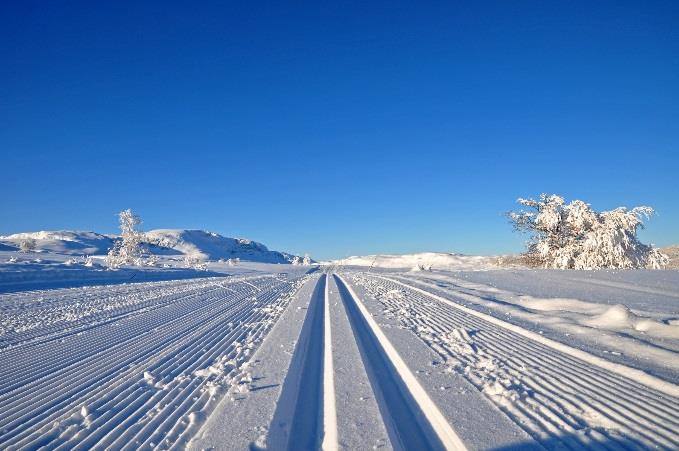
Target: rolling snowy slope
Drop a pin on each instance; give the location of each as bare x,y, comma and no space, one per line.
428,260
193,243
212,246
65,242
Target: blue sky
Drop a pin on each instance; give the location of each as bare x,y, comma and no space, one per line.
336,128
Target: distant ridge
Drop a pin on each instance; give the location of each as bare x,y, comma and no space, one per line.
422,260
194,243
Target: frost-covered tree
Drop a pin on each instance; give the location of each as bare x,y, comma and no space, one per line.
296,260
27,245
573,236
196,262
306,261
127,250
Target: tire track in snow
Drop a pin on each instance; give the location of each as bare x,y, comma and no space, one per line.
411,417
557,397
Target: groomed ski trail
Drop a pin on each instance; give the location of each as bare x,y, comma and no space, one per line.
141,373
361,361
311,414
561,397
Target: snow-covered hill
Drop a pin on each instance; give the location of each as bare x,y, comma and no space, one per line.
212,246
62,242
433,260
194,243
673,253
458,262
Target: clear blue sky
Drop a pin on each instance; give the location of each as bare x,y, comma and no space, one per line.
336,128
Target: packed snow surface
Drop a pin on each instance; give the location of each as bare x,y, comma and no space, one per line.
270,356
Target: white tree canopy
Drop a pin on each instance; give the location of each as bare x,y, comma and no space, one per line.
128,249
573,236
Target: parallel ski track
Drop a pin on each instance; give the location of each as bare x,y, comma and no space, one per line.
411,417
44,315
558,399
44,385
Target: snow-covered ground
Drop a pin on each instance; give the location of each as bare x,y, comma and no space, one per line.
367,356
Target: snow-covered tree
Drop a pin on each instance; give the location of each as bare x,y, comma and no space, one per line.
306,261
27,245
573,236
296,260
127,250
196,262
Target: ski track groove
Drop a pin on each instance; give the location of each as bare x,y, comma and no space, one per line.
553,396
181,333
119,345
330,438
413,419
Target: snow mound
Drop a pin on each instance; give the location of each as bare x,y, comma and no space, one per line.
616,317
423,261
205,245
62,242
619,317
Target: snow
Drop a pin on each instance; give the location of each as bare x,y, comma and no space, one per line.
560,395
444,433
167,242
147,361
601,313
672,253
330,440
72,258
212,246
420,261
62,242
367,355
